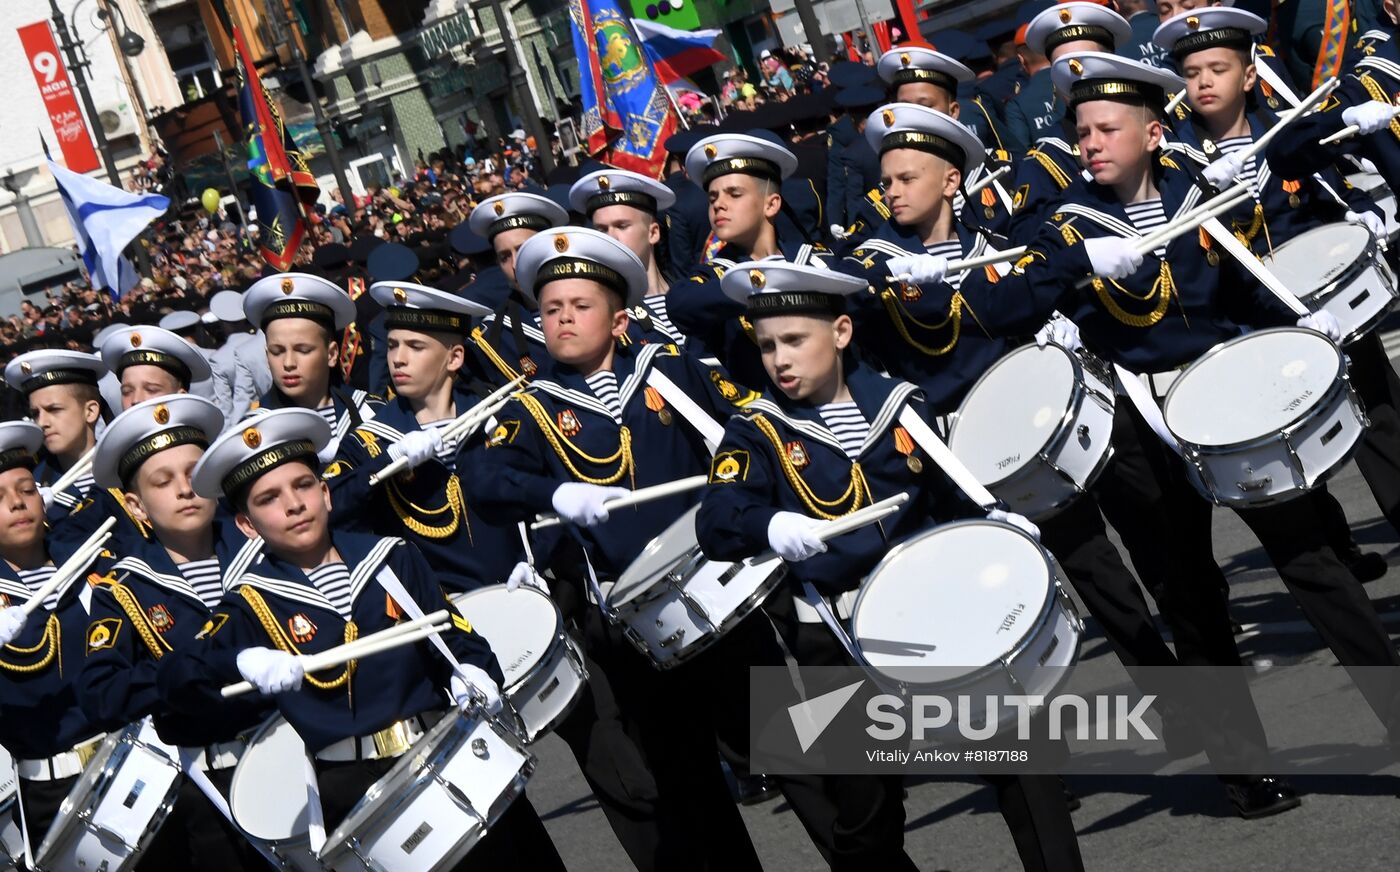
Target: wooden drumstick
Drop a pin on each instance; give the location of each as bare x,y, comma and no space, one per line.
75,472
636,497
871,514
71,567
977,186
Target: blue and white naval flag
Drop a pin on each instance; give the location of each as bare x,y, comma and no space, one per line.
105,219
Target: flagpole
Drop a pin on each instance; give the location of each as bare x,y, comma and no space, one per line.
233,187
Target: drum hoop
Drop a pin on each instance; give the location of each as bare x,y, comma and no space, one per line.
1046,607
559,630
748,606
1340,381
1076,398
642,587
1369,253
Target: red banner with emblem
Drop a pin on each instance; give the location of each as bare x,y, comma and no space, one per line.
60,101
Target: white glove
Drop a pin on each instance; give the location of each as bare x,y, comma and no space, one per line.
270,670
1223,171
1060,331
1020,522
472,684
922,269
1112,257
1323,322
1369,117
582,504
11,624
1371,221
794,536
419,446
46,493
837,231
524,573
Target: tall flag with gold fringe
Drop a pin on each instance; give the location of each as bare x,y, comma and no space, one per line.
627,114
281,183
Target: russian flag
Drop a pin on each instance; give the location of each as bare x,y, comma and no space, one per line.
677,53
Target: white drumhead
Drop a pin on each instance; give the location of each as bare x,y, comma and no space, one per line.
673,545
520,625
268,796
953,599
1251,387
7,777
1012,411
1313,260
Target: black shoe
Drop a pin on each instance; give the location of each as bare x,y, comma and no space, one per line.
1072,801
1366,565
1261,797
754,789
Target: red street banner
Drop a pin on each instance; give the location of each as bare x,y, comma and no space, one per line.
59,99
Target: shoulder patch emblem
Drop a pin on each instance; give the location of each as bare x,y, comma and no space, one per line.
1022,193
213,625
729,466
103,634
504,434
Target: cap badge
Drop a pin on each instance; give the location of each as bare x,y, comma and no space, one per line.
904,59
561,243
711,152
1076,67
1066,16
1193,22
136,340
288,286
604,183
499,207
756,278
26,368
161,414
888,117
400,295
252,438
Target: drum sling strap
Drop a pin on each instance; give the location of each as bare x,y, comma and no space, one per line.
709,429
1138,394
928,440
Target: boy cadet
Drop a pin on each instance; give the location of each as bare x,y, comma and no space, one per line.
589,427
919,75
741,175
627,206
156,598
1054,161
47,733
302,318
1212,48
61,387
312,589
186,324
151,362
820,446
427,333
1151,318
508,343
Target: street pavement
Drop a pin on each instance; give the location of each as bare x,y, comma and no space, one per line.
1140,823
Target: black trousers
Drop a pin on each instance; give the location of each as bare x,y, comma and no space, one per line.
1378,456
651,762
516,842
1166,526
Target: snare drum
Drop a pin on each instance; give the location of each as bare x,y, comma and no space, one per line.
674,602
1036,428
971,608
268,796
543,668
124,794
1265,417
440,798
11,839
1338,268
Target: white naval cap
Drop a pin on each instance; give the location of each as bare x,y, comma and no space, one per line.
409,306
182,319
227,306
1096,75
580,253
149,427
19,445
101,335
909,125
135,346
54,366
1208,27
513,211
908,64
778,287
612,187
1076,20
726,153
298,295
257,444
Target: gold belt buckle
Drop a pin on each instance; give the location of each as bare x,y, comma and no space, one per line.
393,740
87,750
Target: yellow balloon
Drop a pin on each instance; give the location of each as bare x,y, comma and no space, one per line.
210,199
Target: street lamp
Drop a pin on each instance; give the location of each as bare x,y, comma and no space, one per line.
128,40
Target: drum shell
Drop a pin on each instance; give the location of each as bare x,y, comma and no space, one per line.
1373,185
1283,465
437,801
1073,456
1360,297
11,839
294,851
546,692
1037,664
99,825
